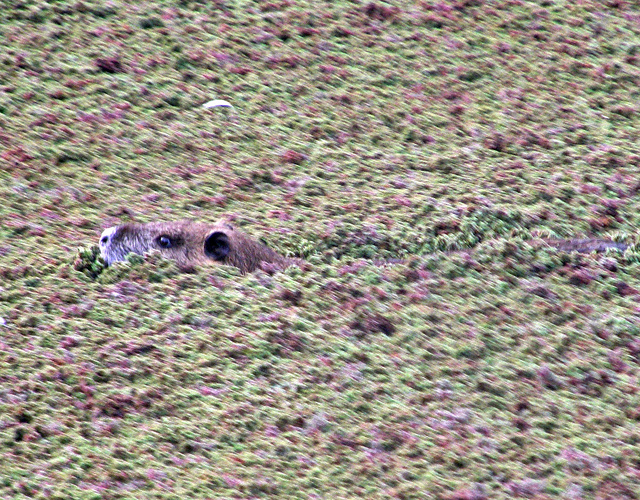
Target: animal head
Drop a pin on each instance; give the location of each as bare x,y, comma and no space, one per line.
190,244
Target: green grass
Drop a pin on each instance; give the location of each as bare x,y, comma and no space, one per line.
449,134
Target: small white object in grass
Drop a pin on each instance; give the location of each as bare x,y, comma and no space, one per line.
3,321
217,103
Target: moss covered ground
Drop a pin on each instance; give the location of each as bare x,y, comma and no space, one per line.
450,134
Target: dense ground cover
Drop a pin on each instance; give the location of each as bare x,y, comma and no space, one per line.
450,134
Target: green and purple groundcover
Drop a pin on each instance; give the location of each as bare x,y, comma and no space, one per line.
414,153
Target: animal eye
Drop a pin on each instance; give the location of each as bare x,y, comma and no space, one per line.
165,242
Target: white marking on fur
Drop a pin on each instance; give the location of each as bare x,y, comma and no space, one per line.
108,233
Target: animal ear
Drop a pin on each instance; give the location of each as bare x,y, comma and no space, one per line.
216,246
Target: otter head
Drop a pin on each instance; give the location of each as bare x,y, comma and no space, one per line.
190,244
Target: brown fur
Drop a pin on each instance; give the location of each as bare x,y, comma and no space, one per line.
191,245
586,245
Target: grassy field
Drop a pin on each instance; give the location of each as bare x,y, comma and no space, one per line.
450,134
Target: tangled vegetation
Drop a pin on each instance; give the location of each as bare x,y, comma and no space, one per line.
415,154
